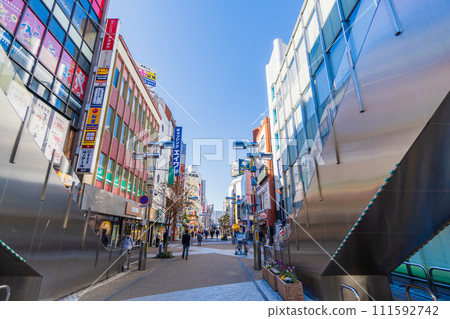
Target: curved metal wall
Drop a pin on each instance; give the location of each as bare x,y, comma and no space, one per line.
34,228
403,80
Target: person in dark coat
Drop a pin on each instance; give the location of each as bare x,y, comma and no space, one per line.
186,240
206,234
217,233
105,240
199,239
157,240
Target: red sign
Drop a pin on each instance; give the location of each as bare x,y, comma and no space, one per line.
110,34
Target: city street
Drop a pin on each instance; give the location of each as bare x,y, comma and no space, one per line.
212,273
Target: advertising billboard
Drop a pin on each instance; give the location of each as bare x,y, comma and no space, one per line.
244,165
176,162
148,75
239,167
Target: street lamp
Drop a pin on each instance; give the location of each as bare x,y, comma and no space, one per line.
143,157
232,216
256,246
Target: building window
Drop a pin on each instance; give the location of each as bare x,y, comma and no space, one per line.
67,6
122,89
123,135
123,184
108,126
275,116
277,141
272,90
117,127
129,97
109,171
117,175
116,78
101,167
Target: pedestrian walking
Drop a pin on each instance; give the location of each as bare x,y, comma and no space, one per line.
217,233
199,239
128,242
186,243
206,234
157,241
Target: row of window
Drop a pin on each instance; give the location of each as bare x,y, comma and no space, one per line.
117,175
300,104
56,47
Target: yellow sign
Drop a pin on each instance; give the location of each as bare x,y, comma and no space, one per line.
102,71
93,116
89,138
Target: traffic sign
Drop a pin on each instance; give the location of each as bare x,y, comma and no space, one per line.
143,205
143,199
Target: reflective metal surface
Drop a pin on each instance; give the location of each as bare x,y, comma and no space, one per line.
34,228
403,80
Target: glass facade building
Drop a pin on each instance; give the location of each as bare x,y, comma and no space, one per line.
342,64
52,45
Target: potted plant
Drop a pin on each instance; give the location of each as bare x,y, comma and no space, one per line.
289,288
272,271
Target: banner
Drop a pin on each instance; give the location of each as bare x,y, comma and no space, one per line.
50,52
10,12
177,150
30,31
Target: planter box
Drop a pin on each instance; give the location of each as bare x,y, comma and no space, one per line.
272,280
265,273
290,292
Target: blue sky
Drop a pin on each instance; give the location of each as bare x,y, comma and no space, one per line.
210,56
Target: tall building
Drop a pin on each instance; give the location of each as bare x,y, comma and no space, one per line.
351,97
126,119
193,189
53,46
267,199
162,167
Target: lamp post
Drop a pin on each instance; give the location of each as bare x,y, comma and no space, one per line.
241,145
257,247
232,216
150,180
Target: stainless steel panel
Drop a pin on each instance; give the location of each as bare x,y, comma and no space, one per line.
34,229
403,80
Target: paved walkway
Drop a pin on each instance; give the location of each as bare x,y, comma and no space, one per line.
212,273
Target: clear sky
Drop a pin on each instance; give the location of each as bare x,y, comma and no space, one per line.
210,56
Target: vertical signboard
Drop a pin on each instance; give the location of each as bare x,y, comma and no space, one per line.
176,162
183,157
93,126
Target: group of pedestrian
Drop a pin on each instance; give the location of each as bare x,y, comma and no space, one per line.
210,233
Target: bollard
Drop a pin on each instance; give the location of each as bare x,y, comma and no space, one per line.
143,256
160,246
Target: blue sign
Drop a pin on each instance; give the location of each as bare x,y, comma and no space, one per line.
143,199
176,162
149,82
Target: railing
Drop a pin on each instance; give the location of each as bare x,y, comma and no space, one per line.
344,286
8,291
433,284
408,265
408,287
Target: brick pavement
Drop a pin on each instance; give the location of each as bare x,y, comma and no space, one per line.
177,275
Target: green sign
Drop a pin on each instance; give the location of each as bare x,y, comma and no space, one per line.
100,173
109,178
171,176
